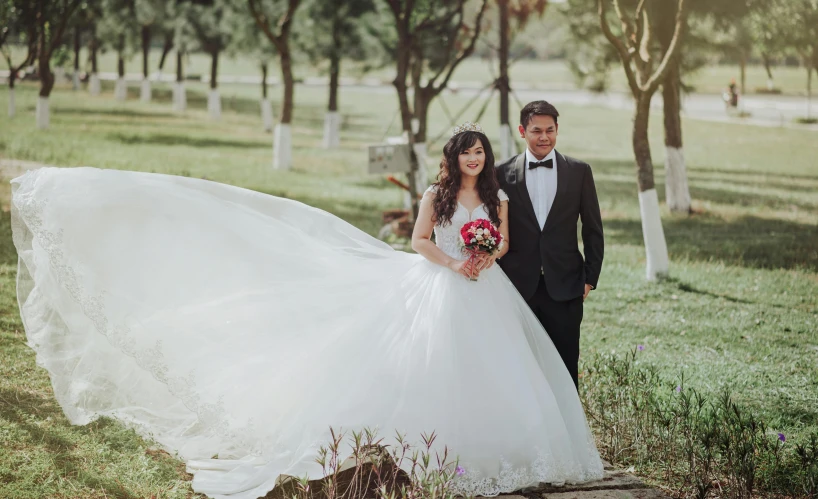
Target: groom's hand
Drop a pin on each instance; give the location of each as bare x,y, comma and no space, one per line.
588,289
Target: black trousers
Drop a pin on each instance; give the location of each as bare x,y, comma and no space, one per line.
561,320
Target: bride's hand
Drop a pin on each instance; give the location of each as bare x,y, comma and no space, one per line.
464,268
484,261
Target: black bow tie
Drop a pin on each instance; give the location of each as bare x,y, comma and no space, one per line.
548,163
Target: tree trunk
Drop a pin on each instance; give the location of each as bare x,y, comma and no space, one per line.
214,101
289,85
75,78
266,105
264,80
406,121
179,75
282,135
179,93
146,49
506,144
652,232
94,85
12,103
166,48
145,89
332,120
677,192
46,81
768,68
121,89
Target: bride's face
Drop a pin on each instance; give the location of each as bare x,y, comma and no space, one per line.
472,160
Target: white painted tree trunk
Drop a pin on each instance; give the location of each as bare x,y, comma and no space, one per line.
120,89
422,177
145,90
282,147
214,104
332,130
267,114
658,264
677,191
770,84
75,80
179,96
506,144
94,85
12,104
43,115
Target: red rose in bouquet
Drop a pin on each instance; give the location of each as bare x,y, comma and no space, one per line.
480,236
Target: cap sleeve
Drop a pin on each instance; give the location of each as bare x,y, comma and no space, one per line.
503,196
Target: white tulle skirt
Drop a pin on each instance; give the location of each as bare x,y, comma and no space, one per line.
235,328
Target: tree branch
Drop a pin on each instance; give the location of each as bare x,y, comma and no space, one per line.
681,17
261,21
469,49
620,47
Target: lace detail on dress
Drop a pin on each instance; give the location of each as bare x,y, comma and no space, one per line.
27,225
448,238
544,469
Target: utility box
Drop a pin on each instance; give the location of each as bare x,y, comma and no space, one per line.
389,158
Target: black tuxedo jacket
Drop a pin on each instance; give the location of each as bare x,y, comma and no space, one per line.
553,248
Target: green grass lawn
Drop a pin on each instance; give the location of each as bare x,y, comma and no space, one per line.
740,309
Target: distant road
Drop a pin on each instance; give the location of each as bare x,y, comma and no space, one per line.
764,110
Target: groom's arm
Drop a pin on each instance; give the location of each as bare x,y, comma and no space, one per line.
592,237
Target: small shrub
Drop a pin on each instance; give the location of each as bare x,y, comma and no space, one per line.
696,445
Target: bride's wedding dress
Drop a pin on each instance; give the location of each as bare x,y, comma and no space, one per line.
235,328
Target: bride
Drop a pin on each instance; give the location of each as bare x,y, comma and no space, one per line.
235,328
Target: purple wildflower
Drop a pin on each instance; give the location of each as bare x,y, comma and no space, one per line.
782,437
640,347
459,470
678,388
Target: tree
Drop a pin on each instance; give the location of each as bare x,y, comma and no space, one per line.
432,37
644,76
213,36
249,41
332,31
20,25
282,12
799,27
117,29
52,17
149,16
521,11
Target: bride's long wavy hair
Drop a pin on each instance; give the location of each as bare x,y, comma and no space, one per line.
449,178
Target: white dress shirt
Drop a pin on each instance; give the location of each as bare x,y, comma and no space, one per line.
542,185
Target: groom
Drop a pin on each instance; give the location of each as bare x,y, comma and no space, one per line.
548,194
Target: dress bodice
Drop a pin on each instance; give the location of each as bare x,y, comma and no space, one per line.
448,238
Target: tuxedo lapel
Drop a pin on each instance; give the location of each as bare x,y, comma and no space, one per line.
562,186
522,189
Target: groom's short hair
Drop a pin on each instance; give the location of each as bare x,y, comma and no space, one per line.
537,108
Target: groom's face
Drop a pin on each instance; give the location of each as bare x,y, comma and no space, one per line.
540,135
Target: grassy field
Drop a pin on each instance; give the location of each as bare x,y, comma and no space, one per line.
740,309
551,75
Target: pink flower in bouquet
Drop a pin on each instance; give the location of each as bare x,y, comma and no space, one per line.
481,235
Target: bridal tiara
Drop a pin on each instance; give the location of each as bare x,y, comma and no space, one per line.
467,127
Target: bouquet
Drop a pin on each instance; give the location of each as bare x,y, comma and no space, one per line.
480,236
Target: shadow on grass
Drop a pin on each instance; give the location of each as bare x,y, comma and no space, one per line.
724,196
116,112
747,241
184,140
24,409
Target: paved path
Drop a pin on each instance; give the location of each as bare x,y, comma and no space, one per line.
617,484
